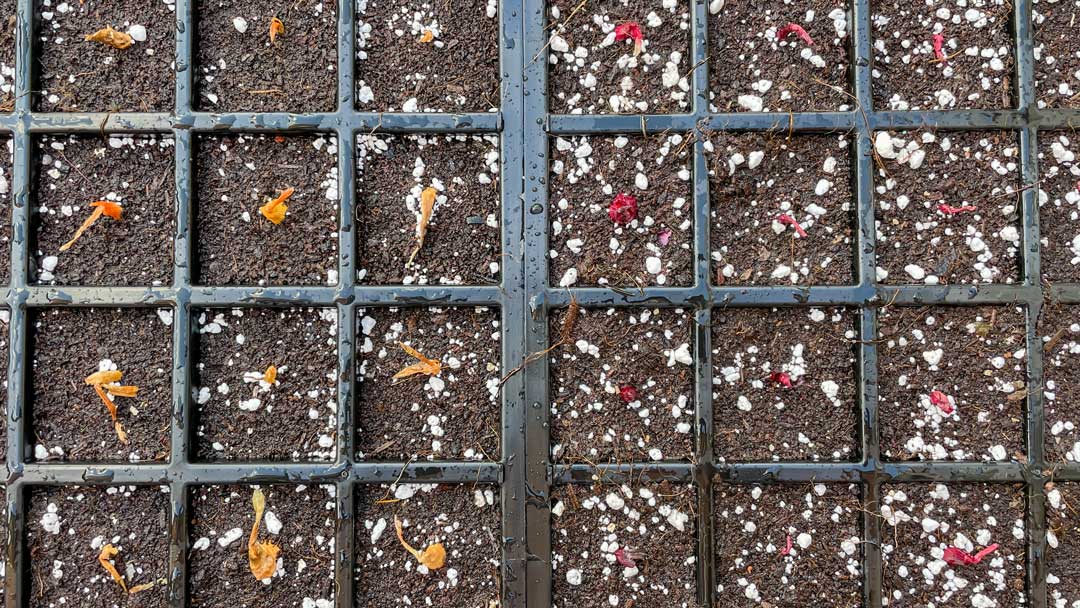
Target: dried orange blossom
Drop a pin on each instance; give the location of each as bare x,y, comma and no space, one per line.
271,375
106,385
276,27
262,557
434,556
101,208
110,37
431,367
274,209
427,36
108,552
427,205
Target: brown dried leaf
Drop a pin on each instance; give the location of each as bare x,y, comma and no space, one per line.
262,557
276,27
108,552
110,37
430,367
427,205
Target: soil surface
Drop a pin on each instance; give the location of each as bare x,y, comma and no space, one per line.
921,520
764,189
456,70
756,354
751,69
947,208
237,245
70,422
973,71
788,546
1059,206
650,526
66,530
1057,57
136,172
76,75
464,518
462,243
6,159
974,358
7,56
622,389
651,241
450,416
1063,548
1059,328
592,72
241,70
300,520
242,416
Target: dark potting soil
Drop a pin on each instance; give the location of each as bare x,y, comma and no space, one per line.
237,245
652,244
450,416
974,71
752,69
462,244
975,359
764,189
242,416
622,389
593,73
399,69
919,521
136,172
240,70
756,354
651,527
1059,206
947,207
464,518
788,546
1059,329
1057,57
7,55
76,75
6,158
67,527
69,421
299,519
1063,543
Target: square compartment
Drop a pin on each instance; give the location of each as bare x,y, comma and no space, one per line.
236,244
463,241
1059,331
454,415
74,75
784,384
457,70
650,526
952,383
241,416
974,71
920,521
465,519
7,157
788,545
590,72
1062,548
947,207
1057,57
621,211
766,191
1059,206
66,528
752,69
238,68
7,58
623,389
69,422
136,171
300,519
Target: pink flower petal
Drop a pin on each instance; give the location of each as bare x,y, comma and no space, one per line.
941,400
797,29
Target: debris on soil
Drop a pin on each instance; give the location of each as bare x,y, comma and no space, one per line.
424,365
106,387
794,28
427,206
262,557
107,553
433,556
110,37
276,28
108,208
275,208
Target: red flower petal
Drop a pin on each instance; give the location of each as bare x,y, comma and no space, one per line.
939,42
624,557
787,546
665,237
941,400
781,378
784,218
958,557
632,30
628,393
797,29
950,210
623,209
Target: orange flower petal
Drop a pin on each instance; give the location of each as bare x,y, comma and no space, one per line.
434,556
274,210
271,374
431,367
427,205
83,228
110,208
110,37
104,377
262,557
276,27
108,552
427,36
122,391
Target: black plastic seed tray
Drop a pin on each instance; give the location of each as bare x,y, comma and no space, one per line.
526,299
